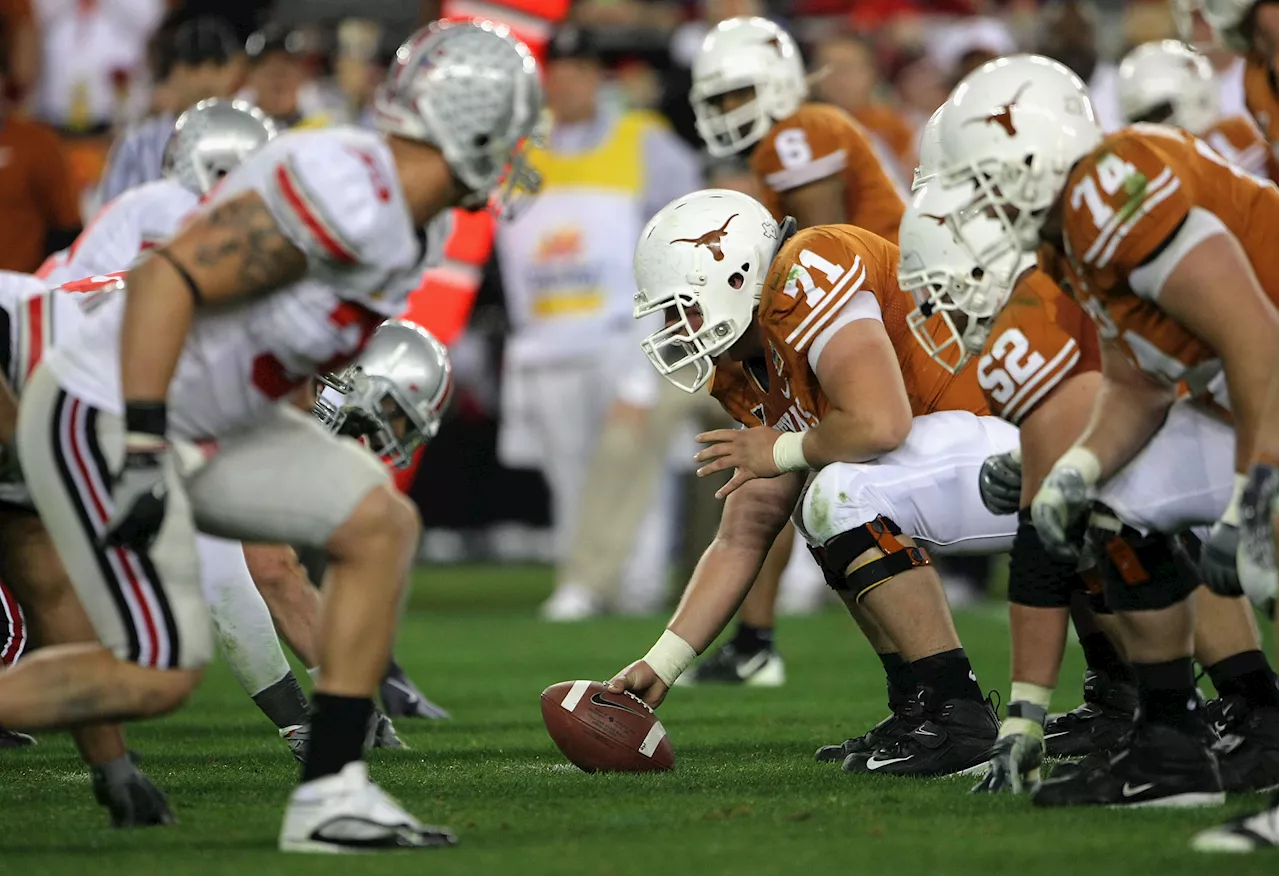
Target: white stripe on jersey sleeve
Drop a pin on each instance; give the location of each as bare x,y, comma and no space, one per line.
1048,376
864,305
811,171
829,307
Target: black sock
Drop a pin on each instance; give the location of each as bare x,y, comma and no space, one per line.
283,701
338,727
749,639
897,672
1247,675
1167,694
1102,657
948,676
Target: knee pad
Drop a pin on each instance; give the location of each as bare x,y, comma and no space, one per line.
880,534
1140,572
1037,578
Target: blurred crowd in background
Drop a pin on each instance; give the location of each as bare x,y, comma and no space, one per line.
91,88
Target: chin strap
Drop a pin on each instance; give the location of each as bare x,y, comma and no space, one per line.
785,232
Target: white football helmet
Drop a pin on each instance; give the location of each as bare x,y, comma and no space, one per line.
702,262
944,275
393,395
930,154
472,90
1014,127
744,53
211,139
1168,83
1229,20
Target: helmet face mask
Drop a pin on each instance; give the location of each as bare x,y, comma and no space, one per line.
747,75
472,91
701,262
211,139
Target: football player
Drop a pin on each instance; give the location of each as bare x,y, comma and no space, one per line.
813,162
871,444
1250,29
1040,368
1149,229
1168,83
164,412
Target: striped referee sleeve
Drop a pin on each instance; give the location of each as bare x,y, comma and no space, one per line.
136,158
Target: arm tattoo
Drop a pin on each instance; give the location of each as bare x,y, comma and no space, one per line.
239,242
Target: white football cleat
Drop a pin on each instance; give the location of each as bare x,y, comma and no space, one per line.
570,603
296,736
345,813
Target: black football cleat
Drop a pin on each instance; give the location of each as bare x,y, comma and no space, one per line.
14,739
762,667
401,698
1247,833
135,802
904,714
1155,765
953,738
1096,724
1246,744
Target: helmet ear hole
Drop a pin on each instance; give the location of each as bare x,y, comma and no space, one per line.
746,268
736,280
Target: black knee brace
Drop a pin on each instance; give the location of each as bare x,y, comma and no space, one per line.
1036,577
1140,572
848,546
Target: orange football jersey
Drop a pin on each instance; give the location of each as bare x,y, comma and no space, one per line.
821,141
1237,139
1122,203
1040,339
824,278
1260,97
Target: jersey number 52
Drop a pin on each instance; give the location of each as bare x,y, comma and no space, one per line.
1009,365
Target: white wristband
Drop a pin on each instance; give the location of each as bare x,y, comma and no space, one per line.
1231,516
669,657
788,452
1083,460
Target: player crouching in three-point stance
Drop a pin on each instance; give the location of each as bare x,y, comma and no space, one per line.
811,347
1171,252
162,415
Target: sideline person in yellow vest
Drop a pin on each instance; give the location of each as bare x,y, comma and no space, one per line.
565,262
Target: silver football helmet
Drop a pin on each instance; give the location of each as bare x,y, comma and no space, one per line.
472,90
1169,83
211,139
393,395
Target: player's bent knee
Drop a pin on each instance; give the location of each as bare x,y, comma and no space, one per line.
1140,572
868,556
384,519
166,690
1037,578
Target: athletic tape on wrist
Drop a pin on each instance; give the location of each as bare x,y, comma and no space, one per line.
1231,516
788,452
1083,460
669,657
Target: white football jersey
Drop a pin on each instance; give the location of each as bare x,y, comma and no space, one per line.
335,193
138,220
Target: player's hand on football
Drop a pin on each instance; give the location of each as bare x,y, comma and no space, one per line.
1218,559
1000,482
641,680
1256,558
139,495
748,451
1015,760
1058,511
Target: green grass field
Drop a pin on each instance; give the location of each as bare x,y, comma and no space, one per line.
746,796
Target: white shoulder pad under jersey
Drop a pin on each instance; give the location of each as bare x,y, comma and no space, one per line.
335,193
140,219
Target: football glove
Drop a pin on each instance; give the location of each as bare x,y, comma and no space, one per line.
1058,509
1256,560
139,494
1218,559
1015,758
1000,482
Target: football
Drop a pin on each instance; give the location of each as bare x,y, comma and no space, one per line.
599,731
